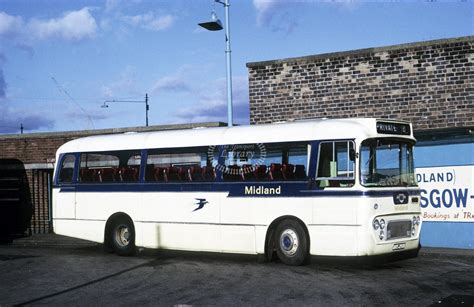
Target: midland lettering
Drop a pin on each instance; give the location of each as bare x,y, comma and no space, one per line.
261,190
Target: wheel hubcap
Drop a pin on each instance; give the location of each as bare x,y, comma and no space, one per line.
289,242
122,235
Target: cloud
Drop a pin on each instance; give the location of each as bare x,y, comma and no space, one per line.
118,5
265,10
3,84
275,15
11,120
10,25
172,84
71,26
176,82
212,103
125,84
111,5
26,48
150,21
84,117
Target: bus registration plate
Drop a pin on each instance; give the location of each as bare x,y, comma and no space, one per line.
398,246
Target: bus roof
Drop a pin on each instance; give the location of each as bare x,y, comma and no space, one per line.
305,130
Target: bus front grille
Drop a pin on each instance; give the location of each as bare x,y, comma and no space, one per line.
398,229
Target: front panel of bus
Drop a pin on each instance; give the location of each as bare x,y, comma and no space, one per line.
391,208
366,201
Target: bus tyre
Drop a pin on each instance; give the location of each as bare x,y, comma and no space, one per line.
122,237
291,242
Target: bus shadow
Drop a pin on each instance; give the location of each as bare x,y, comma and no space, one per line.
205,257
314,262
366,263
15,200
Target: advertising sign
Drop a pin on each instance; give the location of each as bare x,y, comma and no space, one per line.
447,193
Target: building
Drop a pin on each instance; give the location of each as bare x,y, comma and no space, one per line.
428,83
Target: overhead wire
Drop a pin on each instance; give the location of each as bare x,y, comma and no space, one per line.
61,89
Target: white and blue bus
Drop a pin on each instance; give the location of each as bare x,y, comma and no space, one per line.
333,187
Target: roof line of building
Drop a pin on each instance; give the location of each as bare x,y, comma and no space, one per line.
364,51
80,133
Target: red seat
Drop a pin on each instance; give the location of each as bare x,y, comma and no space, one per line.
184,173
150,172
159,174
86,175
129,174
172,174
248,172
261,172
300,172
233,173
109,174
196,173
288,171
96,177
208,173
275,172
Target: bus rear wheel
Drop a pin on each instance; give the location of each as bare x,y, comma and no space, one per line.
122,237
291,242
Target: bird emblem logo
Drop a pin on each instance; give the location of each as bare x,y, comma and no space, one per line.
200,202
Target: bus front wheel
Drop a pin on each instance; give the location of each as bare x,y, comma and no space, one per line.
291,242
122,236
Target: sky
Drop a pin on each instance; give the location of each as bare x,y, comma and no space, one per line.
60,60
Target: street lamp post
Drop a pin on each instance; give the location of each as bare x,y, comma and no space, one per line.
147,106
216,25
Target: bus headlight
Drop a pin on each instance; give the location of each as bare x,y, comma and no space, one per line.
381,235
376,224
382,224
413,231
418,220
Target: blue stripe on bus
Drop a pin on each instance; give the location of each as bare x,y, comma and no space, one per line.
235,189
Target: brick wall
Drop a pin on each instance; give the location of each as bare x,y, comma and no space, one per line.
428,83
40,148
31,148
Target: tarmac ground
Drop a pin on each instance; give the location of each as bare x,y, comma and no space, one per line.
56,270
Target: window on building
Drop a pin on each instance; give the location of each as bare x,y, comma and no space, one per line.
336,164
67,169
109,167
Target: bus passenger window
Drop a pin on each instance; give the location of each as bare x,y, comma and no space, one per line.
67,169
110,167
265,162
179,165
297,162
336,164
249,162
130,171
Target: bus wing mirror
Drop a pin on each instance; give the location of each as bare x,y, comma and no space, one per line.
352,154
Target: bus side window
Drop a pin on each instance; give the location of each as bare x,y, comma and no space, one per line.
67,169
265,162
110,167
129,171
298,159
336,164
179,165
